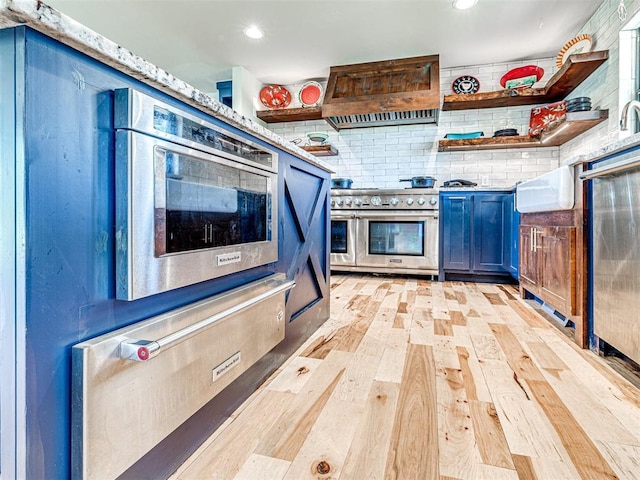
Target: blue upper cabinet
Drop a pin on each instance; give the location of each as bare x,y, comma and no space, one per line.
475,235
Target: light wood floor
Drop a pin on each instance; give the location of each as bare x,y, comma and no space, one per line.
424,380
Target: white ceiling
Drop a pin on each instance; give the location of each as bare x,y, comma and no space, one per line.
199,41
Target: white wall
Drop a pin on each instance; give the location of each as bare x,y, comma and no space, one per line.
380,156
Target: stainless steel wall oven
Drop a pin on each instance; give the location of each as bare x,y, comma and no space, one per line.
194,201
385,231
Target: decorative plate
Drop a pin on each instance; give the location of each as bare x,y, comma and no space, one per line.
465,84
310,94
522,77
580,44
275,96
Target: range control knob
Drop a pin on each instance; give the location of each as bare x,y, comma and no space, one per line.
376,201
339,202
357,202
394,201
347,201
333,202
421,201
409,201
433,201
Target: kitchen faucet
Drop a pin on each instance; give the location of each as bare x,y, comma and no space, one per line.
625,111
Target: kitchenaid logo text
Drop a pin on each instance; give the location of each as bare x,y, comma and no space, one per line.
228,258
225,366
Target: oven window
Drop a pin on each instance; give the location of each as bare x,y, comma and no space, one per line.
339,238
396,238
204,204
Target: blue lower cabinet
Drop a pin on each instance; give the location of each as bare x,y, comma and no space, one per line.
514,238
456,235
475,233
59,234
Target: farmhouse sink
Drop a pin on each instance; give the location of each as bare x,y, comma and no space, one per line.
548,192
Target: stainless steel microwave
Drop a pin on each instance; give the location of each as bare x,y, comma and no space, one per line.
193,201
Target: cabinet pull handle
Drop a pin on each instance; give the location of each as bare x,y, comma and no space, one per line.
533,239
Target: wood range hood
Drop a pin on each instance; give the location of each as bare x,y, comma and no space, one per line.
391,92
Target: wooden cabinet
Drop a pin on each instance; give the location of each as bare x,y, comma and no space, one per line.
553,259
475,235
548,265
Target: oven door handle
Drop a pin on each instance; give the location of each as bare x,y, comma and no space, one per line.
343,216
143,350
386,214
617,167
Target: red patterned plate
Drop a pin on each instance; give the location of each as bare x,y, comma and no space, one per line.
275,96
546,117
522,72
310,94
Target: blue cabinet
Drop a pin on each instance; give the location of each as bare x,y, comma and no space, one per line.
455,237
475,231
58,242
514,237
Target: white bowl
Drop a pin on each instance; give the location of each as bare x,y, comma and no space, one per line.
319,137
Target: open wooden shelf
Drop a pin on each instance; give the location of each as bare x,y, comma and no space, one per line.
574,71
321,150
574,124
290,114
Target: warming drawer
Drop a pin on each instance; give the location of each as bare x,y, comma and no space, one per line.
134,386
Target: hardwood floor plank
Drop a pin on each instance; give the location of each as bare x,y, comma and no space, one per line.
442,327
584,454
527,430
413,450
458,453
457,318
528,314
391,367
284,438
223,458
324,449
524,467
590,413
293,377
356,381
494,298
472,376
368,452
421,331
519,360
489,436
624,459
259,466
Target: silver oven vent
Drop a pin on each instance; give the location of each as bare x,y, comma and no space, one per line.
412,117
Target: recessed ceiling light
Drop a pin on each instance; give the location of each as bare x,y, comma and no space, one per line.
464,4
253,31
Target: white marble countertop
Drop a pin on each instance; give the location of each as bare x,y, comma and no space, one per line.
620,145
55,24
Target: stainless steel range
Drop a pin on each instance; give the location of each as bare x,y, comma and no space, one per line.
385,231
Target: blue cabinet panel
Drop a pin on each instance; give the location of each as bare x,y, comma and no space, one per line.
456,237
69,201
475,229
491,226
514,237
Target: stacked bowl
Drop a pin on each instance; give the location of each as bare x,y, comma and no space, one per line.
579,104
